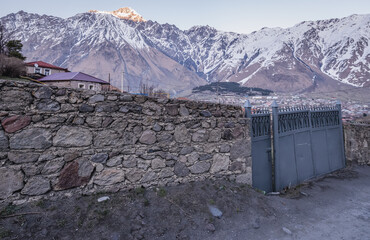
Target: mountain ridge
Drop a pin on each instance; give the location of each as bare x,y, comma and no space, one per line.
310,56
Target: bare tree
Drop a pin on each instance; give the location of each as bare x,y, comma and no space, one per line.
3,39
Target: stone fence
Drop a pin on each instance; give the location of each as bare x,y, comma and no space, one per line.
58,141
356,137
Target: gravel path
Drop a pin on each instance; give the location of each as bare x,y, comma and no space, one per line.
334,207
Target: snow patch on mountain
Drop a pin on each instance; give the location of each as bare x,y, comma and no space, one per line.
123,13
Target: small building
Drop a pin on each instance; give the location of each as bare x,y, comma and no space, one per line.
43,69
76,80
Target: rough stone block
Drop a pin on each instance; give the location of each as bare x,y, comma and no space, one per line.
200,136
15,123
106,138
53,166
72,137
109,177
184,112
99,158
172,109
158,163
181,134
15,100
240,150
84,108
135,175
34,138
106,107
148,137
75,174
181,170
220,163
200,167
96,98
48,105
43,93
244,178
214,135
4,142
115,161
19,158
36,186
10,182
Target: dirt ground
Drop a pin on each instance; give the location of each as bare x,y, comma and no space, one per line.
334,207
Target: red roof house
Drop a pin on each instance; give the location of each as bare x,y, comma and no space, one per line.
43,69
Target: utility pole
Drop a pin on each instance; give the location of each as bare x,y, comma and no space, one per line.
123,74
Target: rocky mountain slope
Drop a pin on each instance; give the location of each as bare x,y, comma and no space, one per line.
311,56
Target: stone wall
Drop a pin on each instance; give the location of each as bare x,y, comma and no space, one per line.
357,136
57,141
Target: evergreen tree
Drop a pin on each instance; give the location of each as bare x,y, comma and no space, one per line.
14,49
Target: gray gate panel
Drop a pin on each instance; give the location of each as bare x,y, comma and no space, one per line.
334,149
286,174
261,163
305,169
320,152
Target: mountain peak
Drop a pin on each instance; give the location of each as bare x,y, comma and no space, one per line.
123,13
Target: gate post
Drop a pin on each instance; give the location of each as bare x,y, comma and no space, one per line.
339,107
248,109
275,152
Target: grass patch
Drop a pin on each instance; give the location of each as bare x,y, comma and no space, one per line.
61,222
8,210
41,204
140,190
4,233
212,202
162,192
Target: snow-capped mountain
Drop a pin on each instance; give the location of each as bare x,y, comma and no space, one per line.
310,56
123,13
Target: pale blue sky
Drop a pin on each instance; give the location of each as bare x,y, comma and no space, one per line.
243,16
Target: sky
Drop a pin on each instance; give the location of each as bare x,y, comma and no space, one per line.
241,16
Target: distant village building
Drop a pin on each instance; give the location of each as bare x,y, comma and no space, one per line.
40,69
76,80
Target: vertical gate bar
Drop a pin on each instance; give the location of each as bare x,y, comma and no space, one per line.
339,107
311,147
248,109
275,151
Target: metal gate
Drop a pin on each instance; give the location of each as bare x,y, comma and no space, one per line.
261,147
307,142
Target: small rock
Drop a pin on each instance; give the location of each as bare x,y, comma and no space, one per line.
273,193
210,227
256,224
287,231
304,194
102,199
215,211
